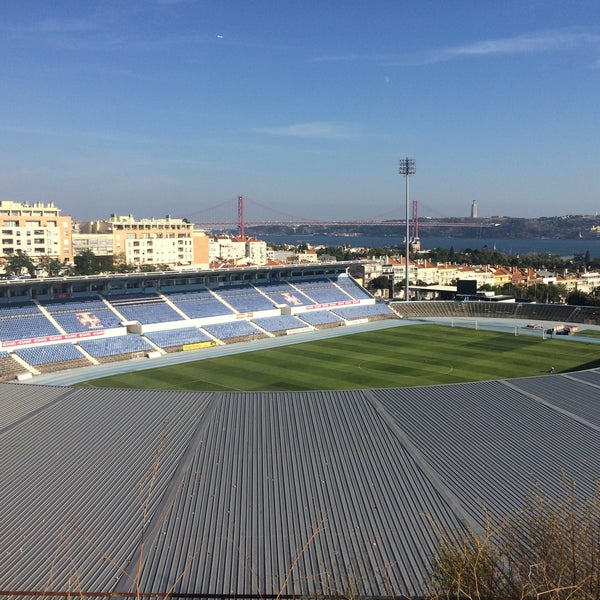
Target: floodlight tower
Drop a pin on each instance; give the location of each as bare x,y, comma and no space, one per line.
407,168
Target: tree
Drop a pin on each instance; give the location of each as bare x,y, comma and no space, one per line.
51,266
380,283
579,298
120,264
86,263
18,262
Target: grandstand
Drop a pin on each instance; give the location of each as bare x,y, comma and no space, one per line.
24,320
54,357
174,340
323,292
199,304
513,310
89,317
234,331
246,299
123,347
281,325
321,319
283,293
365,311
81,314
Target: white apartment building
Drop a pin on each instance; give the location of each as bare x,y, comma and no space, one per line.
168,241
588,282
35,229
238,250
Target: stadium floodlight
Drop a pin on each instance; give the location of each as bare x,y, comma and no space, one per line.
407,168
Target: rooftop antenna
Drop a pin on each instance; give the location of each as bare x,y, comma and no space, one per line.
407,168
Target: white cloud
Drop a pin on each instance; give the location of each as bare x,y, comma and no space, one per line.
313,130
528,43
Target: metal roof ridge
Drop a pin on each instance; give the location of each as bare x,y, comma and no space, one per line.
558,409
68,391
428,471
148,536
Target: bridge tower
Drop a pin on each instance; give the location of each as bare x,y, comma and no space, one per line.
241,221
415,242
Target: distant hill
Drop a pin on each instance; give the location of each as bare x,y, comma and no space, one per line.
565,227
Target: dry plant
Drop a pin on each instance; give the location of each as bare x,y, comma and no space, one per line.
548,550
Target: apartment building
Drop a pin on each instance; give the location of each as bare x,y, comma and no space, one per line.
238,250
36,229
168,241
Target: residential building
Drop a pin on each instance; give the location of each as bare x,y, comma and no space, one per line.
588,282
36,229
426,272
238,250
101,244
168,241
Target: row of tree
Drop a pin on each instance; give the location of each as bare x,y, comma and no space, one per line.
86,263
537,292
478,256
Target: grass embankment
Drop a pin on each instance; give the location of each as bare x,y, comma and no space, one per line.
400,356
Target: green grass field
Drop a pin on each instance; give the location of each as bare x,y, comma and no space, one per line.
395,357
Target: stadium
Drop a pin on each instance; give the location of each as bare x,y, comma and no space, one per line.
136,493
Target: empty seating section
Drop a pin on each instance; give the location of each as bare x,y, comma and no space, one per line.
178,337
283,293
372,311
39,355
118,346
237,330
76,315
547,312
245,299
54,357
9,367
24,321
317,318
145,308
323,291
351,287
280,323
198,304
513,310
586,314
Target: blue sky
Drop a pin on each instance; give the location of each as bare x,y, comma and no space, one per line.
305,107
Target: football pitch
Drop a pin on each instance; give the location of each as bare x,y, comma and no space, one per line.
396,357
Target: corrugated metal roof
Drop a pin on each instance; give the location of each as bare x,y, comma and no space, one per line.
271,469
489,442
17,402
73,483
344,491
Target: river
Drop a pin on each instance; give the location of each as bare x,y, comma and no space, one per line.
564,248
